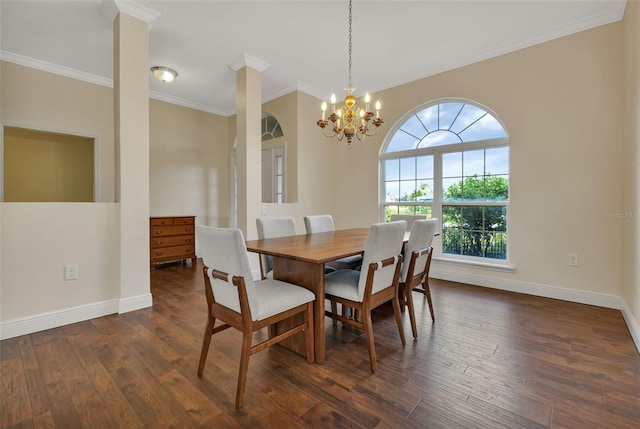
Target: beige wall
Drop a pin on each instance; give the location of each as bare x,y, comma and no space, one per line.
631,178
561,104
35,99
189,160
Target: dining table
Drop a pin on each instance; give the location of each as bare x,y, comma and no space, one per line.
301,259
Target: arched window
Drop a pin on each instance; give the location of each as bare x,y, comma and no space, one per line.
450,160
273,160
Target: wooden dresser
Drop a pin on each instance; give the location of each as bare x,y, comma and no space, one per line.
172,239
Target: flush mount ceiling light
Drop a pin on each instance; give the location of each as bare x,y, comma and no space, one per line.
164,74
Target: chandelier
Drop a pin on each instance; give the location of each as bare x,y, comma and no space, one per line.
350,120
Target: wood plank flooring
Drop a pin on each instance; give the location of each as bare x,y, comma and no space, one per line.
492,359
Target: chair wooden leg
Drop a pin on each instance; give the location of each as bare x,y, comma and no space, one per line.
206,341
334,310
368,332
396,312
309,333
412,314
427,293
244,368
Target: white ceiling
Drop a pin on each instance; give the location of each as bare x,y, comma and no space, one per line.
304,42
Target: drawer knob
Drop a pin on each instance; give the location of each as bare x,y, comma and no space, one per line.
188,240
158,231
158,253
158,243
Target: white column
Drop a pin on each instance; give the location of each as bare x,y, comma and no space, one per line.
249,148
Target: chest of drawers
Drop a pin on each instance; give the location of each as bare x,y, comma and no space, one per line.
172,239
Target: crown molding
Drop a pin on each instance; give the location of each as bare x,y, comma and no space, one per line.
110,8
249,61
55,69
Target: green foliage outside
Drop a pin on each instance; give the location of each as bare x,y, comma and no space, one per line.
476,230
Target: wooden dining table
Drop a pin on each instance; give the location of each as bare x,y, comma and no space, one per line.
301,259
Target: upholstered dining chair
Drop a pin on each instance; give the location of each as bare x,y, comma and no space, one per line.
234,299
409,218
374,285
324,223
415,267
273,227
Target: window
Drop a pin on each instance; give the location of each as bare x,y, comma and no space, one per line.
273,160
450,160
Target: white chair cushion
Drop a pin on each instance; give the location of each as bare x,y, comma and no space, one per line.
275,296
343,283
421,236
348,263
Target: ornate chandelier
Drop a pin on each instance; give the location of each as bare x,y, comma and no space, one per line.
350,120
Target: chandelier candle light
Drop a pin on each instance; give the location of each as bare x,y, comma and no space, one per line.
350,120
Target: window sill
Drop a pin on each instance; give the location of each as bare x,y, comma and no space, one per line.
504,266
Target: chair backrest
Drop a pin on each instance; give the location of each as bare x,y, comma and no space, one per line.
385,241
224,249
273,227
422,233
409,218
318,223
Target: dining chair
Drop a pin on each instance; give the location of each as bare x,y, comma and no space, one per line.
409,218
324,223
234,299
415,267
374,285
273,227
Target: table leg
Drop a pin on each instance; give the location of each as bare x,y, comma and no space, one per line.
310,276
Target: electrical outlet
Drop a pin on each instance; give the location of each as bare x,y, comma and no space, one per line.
71,272
573,260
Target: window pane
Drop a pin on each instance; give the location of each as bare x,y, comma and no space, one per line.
473,189
424,165
472,218
414,127
392,191
439,138
448,113
496,245
472,244
496,218
452,189
407,190
452,164
486,128
497,160
473,163
408,168
425,191
424,210
466,118
392,169
497,188
429,117
451,217
402,141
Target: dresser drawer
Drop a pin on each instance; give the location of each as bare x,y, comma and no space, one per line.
162,231
176,252
183,220
176,240
161,221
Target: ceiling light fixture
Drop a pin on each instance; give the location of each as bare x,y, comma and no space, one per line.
350,120
164,74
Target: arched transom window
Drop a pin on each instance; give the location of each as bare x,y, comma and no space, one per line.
450,160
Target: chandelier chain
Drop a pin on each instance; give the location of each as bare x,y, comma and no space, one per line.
350,47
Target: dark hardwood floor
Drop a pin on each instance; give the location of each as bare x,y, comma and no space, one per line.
492,360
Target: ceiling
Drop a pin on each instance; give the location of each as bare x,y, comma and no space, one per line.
303,42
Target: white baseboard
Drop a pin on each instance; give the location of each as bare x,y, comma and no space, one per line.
572,295
135,303
54,319
634,329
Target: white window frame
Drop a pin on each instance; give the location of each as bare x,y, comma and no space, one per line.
436,205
